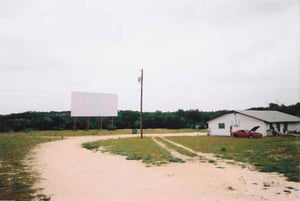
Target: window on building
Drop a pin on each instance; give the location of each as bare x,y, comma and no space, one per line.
221,126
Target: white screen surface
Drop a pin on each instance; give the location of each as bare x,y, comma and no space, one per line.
85,104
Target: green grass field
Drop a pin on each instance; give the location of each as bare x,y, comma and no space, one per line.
274,154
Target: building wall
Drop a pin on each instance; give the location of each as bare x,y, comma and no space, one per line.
246,123
237,122
213,125
294,127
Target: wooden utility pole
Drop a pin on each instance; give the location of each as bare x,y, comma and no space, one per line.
141,113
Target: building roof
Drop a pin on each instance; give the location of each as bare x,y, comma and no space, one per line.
270,116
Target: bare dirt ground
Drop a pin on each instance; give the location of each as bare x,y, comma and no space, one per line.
71,173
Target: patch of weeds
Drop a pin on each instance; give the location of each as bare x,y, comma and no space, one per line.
91,145
46,199
20,186
293,177
291,148
230,162
258,166
243,166
230,188
176,160
211,161
147,159
159,163
267,185
43,197
133,156
223,148
201,157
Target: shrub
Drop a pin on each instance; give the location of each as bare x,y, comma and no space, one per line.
223,148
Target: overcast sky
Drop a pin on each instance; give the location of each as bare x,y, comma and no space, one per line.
196,54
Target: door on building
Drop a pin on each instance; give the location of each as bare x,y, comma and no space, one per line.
285,128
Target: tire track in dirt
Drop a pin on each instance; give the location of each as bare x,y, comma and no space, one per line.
173,152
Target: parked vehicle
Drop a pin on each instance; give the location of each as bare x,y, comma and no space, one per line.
247,133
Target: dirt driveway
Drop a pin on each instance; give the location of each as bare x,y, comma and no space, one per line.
71,173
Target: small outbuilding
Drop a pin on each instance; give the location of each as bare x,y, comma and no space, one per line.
269,122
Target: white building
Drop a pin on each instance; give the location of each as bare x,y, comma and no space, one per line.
247,119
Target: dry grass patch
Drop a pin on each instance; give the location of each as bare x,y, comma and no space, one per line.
16,177
69,133
135,149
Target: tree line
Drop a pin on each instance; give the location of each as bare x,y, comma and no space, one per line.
28,121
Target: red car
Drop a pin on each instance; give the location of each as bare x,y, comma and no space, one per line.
249,134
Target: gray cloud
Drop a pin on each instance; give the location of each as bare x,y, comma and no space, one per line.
208,55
